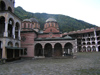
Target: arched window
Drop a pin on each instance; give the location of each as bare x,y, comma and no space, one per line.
68,48
16,30
2,25
10,27
50,30
28,25
2,6
16,45
9,8
38,50
48,50
84,49
24,25
49,24
10,44
88,48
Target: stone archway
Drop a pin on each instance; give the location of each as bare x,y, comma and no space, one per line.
94,49
38,50
99,48
88,48
48,50
58,49
10,51
68,48
84,49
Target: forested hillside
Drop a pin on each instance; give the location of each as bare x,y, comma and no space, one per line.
66,23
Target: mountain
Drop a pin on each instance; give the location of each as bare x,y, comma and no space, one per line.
66,23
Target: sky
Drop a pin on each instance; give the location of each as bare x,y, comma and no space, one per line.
86,10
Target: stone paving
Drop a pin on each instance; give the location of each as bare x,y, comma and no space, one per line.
84,64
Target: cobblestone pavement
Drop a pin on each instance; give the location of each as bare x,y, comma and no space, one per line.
84,64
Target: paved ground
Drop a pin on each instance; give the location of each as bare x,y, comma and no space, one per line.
84,64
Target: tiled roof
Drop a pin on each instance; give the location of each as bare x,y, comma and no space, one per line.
83,31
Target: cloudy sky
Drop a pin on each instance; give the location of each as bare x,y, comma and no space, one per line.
86,10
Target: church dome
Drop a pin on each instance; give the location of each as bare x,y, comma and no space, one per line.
27,20
33,20
51,20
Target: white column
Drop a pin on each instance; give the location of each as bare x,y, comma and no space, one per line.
86,49
14,31
95,40
91,49
6,29
19,31
63,52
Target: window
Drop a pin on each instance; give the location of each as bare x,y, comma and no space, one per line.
24,25
50,30
23,38
24,51
49,24
28,25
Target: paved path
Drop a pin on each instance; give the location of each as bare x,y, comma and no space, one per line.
84,64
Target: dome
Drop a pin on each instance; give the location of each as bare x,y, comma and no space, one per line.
33,20
51,20
27,20
68,37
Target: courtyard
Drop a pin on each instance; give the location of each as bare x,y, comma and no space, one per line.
84,64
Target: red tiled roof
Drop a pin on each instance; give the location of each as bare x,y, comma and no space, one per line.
82,31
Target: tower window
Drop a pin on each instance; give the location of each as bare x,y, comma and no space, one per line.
28,25
49,24
24,25
50,30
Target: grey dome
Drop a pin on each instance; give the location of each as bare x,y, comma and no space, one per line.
68,37
31,20
27,20
51,20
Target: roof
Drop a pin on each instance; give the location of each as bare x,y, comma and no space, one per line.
51,20
81,31
53,39
68,37
17,48
31,20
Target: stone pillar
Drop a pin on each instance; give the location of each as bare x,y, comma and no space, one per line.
74,52
95,40
14,31
4,51
86,49
63,52
6,30
52,52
